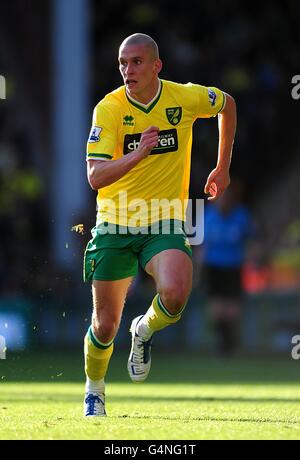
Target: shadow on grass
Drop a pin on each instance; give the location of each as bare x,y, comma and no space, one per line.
209,419
65,397
166,368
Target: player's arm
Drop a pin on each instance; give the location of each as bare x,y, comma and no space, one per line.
219,179
103,173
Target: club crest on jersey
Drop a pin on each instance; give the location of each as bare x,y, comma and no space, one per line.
95,134
212,97
174,115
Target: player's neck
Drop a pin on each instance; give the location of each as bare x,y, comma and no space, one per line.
149,95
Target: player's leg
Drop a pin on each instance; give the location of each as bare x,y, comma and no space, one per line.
110,264
225,316
224,306
172,271
108,302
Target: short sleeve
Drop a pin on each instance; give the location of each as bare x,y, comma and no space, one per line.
102,139
209,100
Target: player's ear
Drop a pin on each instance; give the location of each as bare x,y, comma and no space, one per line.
157,65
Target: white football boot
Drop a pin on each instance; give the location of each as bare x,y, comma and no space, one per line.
139,361
94,405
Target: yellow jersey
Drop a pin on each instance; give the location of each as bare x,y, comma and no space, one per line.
158,186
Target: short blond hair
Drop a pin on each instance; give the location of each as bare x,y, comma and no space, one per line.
142,39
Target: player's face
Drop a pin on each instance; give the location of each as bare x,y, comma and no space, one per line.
138,68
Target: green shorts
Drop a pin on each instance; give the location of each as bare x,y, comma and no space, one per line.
111,257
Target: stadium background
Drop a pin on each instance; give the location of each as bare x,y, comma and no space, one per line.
59,58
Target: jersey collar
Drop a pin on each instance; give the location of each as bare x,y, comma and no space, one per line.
146,107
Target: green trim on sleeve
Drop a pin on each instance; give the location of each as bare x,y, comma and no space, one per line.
99,155
223,105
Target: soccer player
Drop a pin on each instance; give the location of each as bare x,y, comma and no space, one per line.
138,156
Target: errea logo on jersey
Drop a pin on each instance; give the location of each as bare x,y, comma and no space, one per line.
128,120
167,142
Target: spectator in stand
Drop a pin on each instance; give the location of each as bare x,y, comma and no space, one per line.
228,226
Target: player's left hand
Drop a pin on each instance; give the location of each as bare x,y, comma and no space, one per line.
216,183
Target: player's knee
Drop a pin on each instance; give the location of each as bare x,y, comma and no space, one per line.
174,297
105,328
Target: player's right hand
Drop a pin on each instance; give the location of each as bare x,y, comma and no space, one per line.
149,140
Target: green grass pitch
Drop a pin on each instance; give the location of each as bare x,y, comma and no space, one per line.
186,397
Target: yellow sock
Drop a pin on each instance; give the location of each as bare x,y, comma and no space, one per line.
158,317
97,356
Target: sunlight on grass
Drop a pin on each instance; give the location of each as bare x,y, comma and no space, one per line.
152,411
